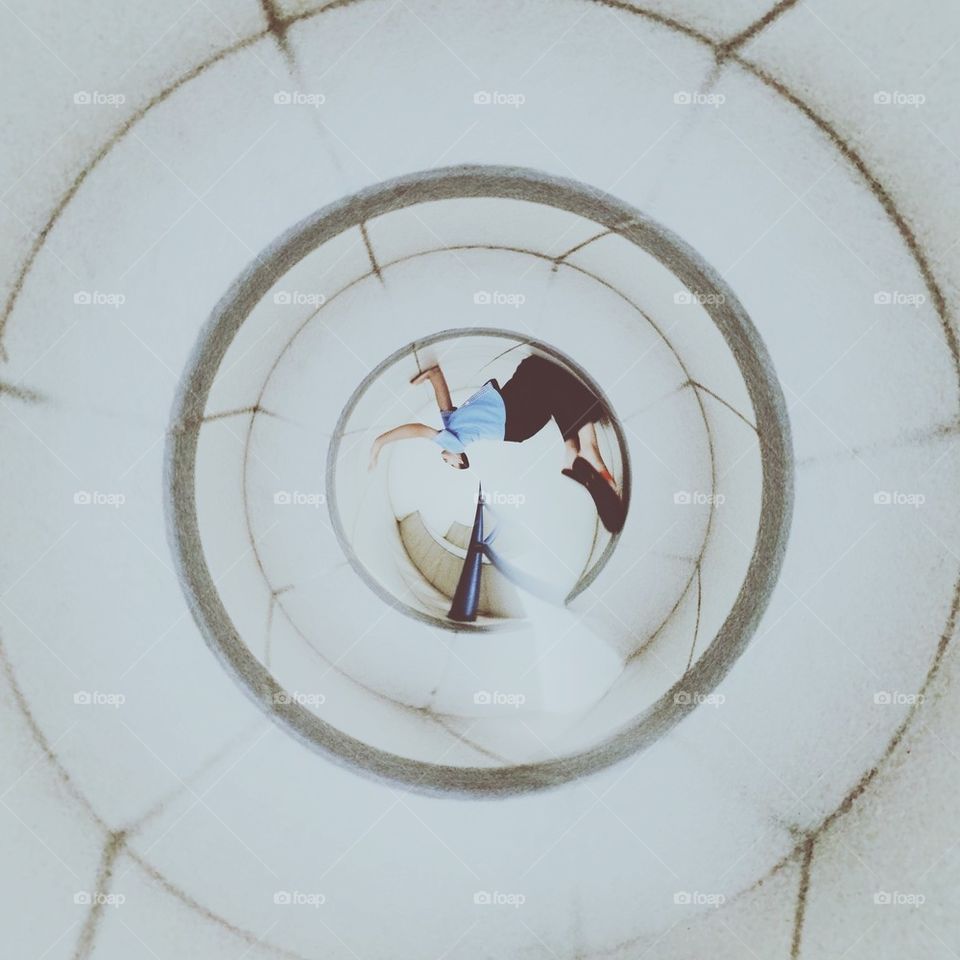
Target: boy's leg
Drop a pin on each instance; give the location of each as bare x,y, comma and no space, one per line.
439,383
590,451
590,471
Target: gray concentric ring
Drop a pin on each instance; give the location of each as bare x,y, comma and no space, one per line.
444,336
449,183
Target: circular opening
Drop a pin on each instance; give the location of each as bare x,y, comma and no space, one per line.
623,728
550,540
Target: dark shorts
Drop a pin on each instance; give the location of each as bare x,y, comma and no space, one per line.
540,389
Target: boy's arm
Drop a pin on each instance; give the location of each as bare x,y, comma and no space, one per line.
440,389
407,431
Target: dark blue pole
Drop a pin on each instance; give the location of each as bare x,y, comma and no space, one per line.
466,598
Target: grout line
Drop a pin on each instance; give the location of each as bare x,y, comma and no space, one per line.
728,47
373,260
802,892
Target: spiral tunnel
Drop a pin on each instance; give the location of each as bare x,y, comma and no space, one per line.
235,694
588,678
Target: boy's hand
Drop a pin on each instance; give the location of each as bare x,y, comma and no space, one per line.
425,375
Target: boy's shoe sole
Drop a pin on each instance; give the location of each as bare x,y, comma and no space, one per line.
609,506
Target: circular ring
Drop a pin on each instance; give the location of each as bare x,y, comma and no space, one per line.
514,183
586,578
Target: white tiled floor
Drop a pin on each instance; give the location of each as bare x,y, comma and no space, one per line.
772,820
